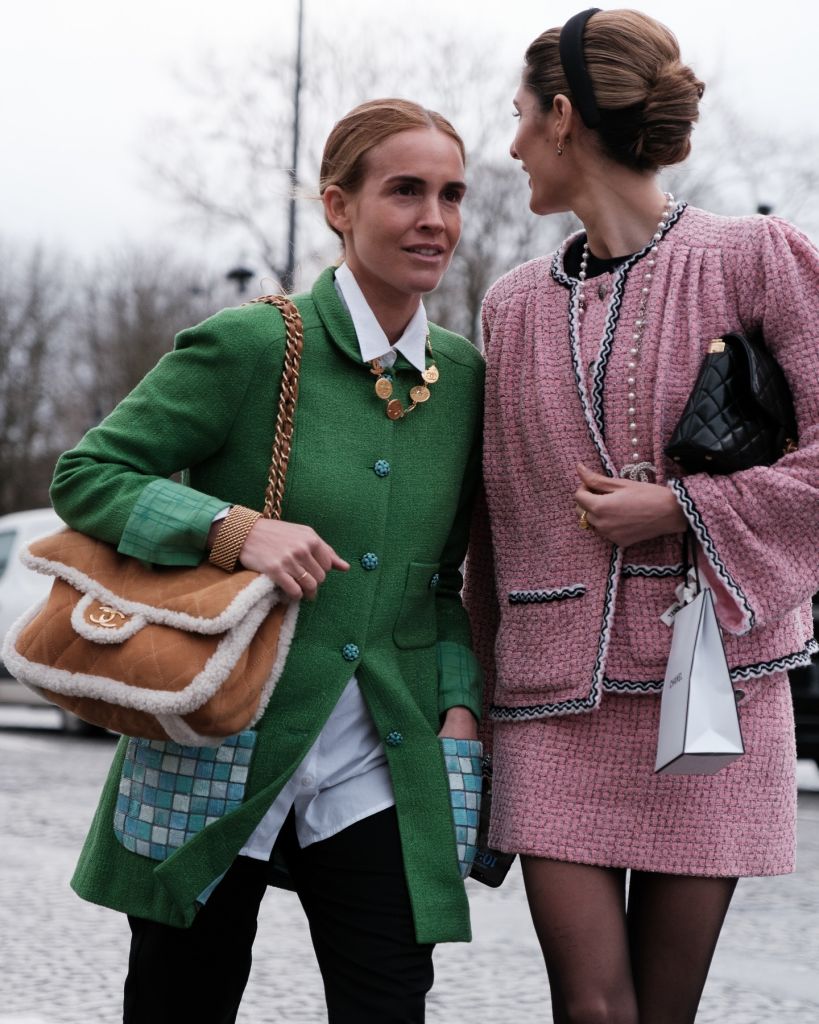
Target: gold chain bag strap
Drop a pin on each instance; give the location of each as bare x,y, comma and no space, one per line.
190,654
240,520
288,396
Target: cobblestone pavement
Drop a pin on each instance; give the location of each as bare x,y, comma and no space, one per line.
62,960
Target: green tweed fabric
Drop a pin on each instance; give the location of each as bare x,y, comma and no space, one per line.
402,491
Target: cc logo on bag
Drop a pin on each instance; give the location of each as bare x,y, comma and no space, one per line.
106,617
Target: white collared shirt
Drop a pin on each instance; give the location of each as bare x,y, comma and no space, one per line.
372,340
344,777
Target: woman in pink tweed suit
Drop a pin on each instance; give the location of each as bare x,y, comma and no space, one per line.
591,355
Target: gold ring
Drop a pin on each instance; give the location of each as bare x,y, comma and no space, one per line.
584,520
298,578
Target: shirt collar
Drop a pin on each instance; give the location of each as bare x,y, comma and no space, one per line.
372,340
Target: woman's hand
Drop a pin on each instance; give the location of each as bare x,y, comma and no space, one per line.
292,555
626,512
459,724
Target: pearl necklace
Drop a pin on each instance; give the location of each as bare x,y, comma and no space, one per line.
637,468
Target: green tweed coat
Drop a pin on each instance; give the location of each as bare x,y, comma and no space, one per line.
400,490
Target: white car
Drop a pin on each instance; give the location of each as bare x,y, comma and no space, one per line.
20,588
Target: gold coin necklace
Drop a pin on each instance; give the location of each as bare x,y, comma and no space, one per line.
418,395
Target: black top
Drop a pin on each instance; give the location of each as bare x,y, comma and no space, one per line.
595,265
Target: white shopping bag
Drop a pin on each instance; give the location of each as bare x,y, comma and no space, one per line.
699,723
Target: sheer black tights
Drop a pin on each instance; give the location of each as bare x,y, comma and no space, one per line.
638,961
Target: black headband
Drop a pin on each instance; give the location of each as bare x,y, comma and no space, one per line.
574,67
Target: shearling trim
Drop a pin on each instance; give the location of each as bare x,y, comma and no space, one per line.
287,631
229,617
542,596
653,571
199,690
180,732
704,537
13,661
577,705
178,729
103,634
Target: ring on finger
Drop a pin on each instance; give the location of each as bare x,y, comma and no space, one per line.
300,578
584,520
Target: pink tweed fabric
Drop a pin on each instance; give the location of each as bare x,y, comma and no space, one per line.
567,626
563,616
582,788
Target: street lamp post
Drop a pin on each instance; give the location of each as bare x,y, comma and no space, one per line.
287,278
240,276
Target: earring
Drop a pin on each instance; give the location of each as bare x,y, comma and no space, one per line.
559,149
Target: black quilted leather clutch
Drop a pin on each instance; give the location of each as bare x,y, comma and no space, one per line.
740,412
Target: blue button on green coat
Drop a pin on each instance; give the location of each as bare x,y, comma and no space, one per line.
394,739
369,561
381,468
350,652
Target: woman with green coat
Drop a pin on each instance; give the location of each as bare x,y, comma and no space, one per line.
342,782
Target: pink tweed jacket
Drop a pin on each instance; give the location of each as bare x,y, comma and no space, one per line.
563,616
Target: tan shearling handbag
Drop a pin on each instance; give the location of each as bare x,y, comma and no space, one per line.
190,654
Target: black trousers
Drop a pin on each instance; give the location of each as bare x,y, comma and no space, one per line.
353,891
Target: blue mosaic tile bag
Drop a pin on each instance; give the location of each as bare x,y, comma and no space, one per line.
168,793
463,766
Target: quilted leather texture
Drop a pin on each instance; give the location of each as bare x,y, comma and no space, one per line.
740,412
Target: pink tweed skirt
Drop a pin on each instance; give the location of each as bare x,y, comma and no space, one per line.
582,788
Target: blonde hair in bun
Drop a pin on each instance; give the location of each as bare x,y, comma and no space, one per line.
648,99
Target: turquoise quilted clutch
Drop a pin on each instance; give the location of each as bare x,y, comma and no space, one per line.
168,793
463,766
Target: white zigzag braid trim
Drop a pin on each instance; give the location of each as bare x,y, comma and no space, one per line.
744,672
580,384
542,596
695,519
765,668
630,686
653,571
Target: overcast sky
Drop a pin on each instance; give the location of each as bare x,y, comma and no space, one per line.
81,81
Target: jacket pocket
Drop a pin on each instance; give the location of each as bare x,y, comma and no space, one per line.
168,793
416,624
540,627
641,602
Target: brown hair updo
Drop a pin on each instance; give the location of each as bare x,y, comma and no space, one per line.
368,124
648,99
